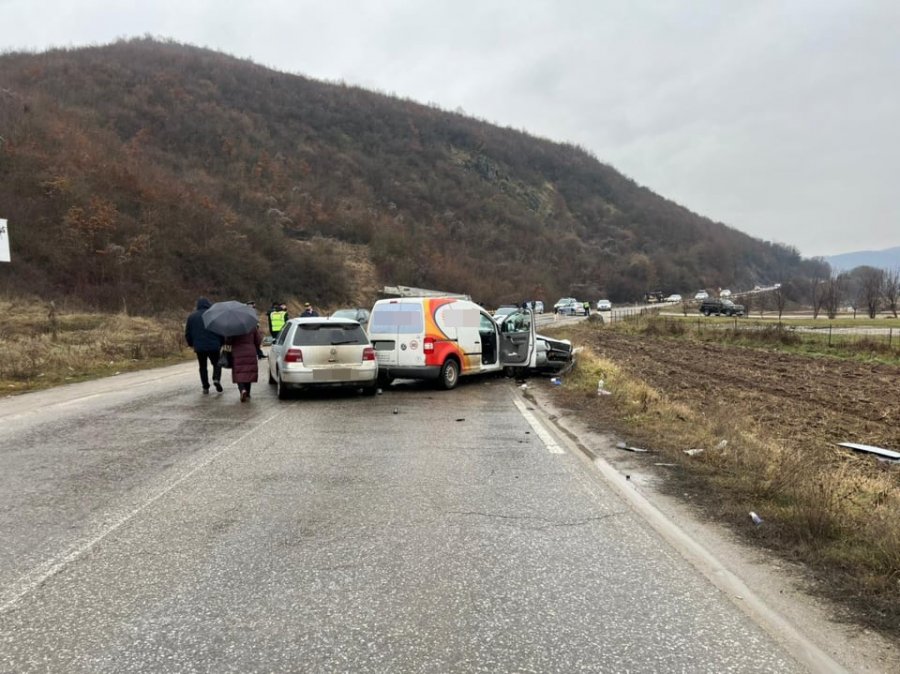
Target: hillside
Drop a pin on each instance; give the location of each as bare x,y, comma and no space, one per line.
142,173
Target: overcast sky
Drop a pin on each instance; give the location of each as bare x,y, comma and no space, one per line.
778,117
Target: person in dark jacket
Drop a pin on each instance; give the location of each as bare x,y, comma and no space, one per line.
205,344
245,369
308,311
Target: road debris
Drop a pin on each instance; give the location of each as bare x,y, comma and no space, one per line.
622,445
461,419
695,451
756,519
722,445
396,411
880,453
556,381
602,390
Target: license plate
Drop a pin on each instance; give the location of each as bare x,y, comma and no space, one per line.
332,374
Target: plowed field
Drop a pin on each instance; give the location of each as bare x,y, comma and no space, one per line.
800,400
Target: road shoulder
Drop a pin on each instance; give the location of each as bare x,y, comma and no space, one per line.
777,584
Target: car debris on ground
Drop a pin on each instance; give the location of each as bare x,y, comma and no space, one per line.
695,451
622,445
880,453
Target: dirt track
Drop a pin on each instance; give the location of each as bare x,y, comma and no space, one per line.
808,402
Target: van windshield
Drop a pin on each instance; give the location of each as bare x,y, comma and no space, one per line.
404,319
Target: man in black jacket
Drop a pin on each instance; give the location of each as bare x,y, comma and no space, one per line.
205,343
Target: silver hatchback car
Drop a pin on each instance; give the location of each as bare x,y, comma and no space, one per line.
322,352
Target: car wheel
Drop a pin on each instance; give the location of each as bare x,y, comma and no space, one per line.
283,391
449,374
706,313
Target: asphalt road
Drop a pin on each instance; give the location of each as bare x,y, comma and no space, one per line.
148,528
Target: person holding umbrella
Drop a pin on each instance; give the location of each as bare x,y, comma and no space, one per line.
237,323
205,343
245,368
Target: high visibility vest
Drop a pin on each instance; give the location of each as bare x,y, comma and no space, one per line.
278,319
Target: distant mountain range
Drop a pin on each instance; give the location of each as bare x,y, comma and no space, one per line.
883,259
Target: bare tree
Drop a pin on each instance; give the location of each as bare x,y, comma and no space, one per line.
892,289
870,289
818,278
779,299
834,293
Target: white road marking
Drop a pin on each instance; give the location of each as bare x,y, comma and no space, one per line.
545,436
38,575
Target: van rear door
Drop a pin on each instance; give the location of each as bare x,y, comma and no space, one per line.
517,340
396,329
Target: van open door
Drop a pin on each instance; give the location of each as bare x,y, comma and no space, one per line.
517,340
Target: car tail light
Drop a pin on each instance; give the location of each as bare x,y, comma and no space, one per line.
368,354
428,345
293,356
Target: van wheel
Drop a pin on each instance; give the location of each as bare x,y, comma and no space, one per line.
449,374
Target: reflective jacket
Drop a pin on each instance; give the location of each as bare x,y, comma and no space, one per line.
277,319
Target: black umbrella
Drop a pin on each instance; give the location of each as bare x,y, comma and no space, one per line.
230,318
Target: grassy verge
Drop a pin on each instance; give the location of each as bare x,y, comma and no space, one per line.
39,350
837,513
883,348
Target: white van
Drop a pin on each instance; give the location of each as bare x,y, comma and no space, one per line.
444,338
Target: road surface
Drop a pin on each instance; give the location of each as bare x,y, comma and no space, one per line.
149,528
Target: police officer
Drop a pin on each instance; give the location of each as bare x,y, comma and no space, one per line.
277,318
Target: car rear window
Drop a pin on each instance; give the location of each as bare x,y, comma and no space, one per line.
325,334
404,319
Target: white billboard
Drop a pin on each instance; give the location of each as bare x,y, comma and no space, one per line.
4,241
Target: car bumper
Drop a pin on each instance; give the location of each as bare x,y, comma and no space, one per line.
354,375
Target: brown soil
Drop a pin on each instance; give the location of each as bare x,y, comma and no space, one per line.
810,403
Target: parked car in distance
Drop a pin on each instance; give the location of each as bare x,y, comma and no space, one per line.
673,298
563,301
322,352
538,306
359,315
604,305
572,308
505,310
702,295
725,293
721,307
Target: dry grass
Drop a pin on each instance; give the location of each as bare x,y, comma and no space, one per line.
38,351
838,513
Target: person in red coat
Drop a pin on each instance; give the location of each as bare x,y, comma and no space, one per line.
245,368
